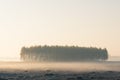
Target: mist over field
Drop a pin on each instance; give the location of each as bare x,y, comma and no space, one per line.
61,66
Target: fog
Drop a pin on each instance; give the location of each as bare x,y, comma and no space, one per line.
77,67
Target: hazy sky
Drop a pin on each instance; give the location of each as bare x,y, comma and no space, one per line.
59,22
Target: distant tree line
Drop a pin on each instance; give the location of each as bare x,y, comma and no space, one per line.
63,53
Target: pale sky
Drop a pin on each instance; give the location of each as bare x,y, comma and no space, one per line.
59,22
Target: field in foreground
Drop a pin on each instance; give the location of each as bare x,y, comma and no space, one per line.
60,71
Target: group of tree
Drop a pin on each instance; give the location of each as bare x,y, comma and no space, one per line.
63,53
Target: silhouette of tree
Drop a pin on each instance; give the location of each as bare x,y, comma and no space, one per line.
63,53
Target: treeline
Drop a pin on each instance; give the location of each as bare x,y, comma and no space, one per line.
63,53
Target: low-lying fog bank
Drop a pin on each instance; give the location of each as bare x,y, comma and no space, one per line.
79,66
102,70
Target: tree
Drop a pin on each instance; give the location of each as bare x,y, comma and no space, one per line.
63,53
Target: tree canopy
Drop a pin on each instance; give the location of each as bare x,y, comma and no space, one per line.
63,53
